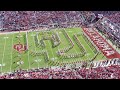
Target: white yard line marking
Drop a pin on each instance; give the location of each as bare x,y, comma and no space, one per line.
35,50
60,40
51,50
3,53
89,45
90,49
74,49
93,45
28,53
11,52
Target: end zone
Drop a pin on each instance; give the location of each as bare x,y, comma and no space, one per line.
101,43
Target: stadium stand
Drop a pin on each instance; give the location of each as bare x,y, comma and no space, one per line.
25,20
111,72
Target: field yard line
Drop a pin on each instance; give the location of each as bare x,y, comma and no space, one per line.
3,52
74,49
89,47
51,50
86,42
35,50
60,43
28,52
93,45
11,52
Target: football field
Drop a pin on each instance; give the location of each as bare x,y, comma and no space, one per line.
36,49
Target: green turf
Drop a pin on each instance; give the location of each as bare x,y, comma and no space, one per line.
8,55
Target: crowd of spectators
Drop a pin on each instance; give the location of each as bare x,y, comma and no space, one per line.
110,72
15,20
114,16
24,20
112,26
110,29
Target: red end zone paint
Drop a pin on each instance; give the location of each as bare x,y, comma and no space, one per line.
20,47
101,43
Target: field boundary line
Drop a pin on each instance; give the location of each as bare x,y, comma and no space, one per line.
35,50
61,61
28,50
51,50
90,41
3,53
11,52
